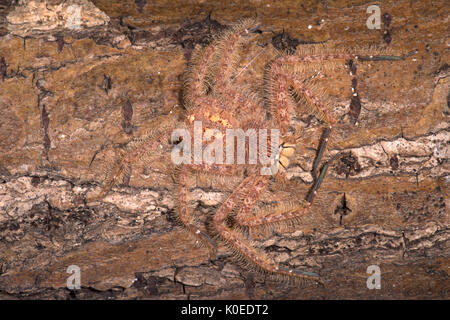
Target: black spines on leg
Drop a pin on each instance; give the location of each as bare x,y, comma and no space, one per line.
322,146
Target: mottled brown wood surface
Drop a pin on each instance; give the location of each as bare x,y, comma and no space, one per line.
66,93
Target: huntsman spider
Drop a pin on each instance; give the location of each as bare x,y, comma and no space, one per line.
211,96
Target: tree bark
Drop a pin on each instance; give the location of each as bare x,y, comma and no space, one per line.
71,97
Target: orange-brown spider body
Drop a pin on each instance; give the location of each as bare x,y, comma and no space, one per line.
212,98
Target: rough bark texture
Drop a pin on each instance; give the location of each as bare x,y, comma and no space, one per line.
67,94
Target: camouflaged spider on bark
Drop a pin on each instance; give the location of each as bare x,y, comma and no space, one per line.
211,96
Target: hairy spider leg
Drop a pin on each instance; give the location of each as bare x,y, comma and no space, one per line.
228,47
195,85
185,215
250,190
135,151
308,93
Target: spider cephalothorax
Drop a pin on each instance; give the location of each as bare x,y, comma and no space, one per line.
216,109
